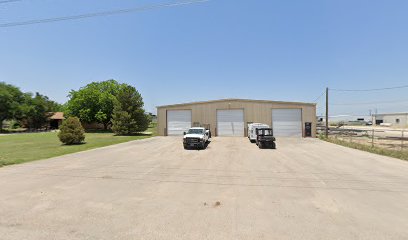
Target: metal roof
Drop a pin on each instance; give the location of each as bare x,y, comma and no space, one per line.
236,100
58,116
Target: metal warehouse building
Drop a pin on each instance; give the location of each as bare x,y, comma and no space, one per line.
394,119
230,117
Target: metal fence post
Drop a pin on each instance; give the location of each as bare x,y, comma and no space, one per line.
372,138
402,140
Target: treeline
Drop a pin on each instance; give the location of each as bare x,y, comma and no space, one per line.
116,105
30,110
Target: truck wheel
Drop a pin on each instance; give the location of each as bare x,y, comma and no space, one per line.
273,145
185,146
203,145
260,145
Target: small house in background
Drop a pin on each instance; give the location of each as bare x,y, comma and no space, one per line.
391,119
56,120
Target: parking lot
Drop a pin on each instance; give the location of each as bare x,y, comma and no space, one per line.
154,189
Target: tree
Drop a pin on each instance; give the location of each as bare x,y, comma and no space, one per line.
129,115
122,122
53,106
94,102
71,131
36,110
10,100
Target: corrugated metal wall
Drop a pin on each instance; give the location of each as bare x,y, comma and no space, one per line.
254,111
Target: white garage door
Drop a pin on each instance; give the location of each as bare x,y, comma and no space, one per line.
287,122
178,122
230,122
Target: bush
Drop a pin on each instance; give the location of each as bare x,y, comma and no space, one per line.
71,131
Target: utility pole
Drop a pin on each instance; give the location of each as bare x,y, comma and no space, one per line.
327,112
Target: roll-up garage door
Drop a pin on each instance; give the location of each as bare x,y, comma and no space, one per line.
178,122
287,122
230,122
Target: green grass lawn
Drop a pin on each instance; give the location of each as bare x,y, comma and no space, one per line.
20,148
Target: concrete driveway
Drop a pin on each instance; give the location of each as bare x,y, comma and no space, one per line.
154,189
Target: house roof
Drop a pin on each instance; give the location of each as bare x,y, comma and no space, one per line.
57,116
235,100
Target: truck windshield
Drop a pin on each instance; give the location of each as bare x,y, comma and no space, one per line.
195,131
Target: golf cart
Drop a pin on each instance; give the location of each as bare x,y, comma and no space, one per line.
265,138
252,130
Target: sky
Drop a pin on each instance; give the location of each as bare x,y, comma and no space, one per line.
254,49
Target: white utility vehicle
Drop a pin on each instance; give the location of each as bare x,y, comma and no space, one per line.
196,137
252,127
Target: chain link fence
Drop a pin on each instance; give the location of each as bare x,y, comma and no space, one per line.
391,139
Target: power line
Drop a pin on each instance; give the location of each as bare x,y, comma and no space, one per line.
321,95
100,14
368,90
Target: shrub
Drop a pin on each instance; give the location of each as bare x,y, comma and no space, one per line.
122,123
71,131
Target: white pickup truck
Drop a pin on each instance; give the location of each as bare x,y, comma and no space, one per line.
196,137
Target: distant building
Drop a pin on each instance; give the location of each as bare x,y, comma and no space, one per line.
346,119
392,119
153,117
56,119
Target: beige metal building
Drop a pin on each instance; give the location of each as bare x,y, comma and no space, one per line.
230,117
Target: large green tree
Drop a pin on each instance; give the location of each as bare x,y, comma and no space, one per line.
110,103
129,115
10,100
94,102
